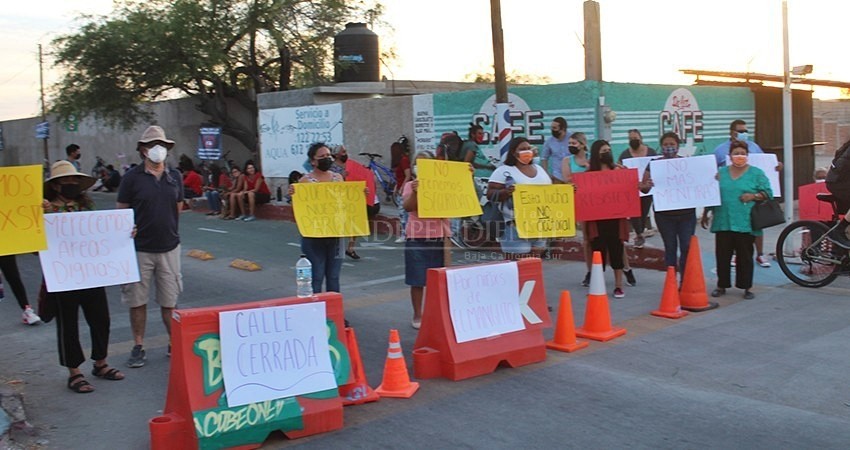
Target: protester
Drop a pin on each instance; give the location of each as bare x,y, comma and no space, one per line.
607,236
578,163
155,192
354,171
221,184
232,197
740,186
678,225
400,165
637,149
64,191
254,192
112,179
73,155
192,182
424,246
9,267
324,253
517,169
471,152
556,150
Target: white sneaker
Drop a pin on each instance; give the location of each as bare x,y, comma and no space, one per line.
29,317
762,261
400,240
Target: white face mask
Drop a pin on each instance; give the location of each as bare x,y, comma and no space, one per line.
157,154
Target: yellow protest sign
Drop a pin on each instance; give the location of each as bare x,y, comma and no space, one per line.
445,190
21,216
544,211
331,209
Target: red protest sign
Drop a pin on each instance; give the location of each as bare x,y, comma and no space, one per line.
810,207
608,194
358,172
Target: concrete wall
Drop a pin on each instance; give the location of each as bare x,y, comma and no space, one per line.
179,118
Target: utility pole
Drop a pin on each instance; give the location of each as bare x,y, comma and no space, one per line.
787,122
43,109
498,51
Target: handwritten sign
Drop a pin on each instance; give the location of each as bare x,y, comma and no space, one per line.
286,134
810,207
21,222
767,162
544,211
275,352
89,249
684,183
640,163
446,190
331,209
609,194
354,171
484,300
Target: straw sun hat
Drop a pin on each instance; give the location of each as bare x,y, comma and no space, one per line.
61,169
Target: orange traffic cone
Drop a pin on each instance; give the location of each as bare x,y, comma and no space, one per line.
396,382
565,329
693,295
670,306
597,316
359,391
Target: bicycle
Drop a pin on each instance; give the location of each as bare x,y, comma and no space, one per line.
806,254
383,175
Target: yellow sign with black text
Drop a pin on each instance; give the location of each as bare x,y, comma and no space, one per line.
21,214
544,211
446,190
331,209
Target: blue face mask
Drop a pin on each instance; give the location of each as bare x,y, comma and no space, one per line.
743,136
669,152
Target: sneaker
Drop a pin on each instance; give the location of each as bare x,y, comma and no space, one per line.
137,357
168,352
630,277
240,218
29,317
838,234
762,261
400,240
639,241
249,219
618,293
416,323
586,281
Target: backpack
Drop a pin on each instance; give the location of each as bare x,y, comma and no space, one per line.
449,148
838,177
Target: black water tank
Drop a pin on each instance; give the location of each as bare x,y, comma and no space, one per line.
356,54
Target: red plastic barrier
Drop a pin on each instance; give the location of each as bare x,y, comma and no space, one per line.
437,352
196,414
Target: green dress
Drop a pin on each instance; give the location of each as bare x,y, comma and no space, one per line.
733,214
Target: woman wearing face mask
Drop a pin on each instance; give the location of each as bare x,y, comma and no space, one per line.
637,149
519,168
64,192
607,236
324,253
676,226
740,186
578,163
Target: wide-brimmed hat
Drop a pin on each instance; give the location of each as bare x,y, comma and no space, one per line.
61,169
155,133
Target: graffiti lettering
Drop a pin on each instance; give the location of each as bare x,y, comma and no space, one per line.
208,347
215,422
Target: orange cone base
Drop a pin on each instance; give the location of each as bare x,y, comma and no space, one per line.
669,315
710,305
403,393
359,395
569,348
601,336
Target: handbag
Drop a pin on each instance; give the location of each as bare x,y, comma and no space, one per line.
766,213
492,218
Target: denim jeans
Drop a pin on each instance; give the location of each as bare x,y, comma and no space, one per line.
676,231
325,256
214,201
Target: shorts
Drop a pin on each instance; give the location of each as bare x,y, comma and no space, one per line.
512,243
419,256
164,268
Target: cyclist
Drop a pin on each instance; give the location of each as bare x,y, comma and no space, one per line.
838,183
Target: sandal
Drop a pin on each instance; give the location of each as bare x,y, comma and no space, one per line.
352,254
81,386
111,374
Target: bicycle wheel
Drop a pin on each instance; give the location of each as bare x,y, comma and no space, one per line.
802,262
473,234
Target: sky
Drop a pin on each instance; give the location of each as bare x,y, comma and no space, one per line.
645,41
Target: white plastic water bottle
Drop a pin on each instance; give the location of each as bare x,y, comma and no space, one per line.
303,277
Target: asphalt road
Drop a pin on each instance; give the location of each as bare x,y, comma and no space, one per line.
771,372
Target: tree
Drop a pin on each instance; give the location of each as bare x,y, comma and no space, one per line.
512,78
219,52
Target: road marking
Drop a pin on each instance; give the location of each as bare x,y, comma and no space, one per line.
376,281
293,244
213,230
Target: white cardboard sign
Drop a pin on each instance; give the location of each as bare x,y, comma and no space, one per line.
640,164
767,162
484,300
89,249
681,183
276,352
